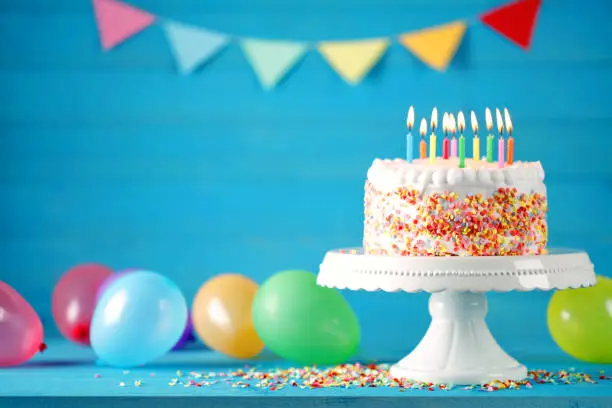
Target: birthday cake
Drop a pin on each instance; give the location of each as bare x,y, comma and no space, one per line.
454,206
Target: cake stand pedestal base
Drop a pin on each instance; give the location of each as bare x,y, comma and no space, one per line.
458,347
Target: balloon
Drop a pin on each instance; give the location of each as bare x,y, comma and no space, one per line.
20,326
139,317
110,280
187,335
222,315
580,321
303,322
74,300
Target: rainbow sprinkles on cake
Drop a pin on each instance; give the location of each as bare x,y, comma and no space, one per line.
456,205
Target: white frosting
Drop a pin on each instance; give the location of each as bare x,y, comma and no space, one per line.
477,177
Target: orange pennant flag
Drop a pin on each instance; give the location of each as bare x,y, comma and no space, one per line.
435,46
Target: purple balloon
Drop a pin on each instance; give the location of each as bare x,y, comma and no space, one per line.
111,279
187,335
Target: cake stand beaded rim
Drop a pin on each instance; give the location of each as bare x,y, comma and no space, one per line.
351,269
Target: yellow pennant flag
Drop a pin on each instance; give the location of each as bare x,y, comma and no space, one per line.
435,46
352,60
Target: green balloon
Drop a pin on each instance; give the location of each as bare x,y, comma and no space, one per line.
303,322
580,321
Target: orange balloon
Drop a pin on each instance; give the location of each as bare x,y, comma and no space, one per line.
221,315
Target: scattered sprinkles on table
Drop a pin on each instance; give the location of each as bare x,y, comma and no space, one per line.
363,376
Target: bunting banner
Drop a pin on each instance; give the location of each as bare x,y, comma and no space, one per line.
435,46
119,21
515,21
352,60
193,46
272,60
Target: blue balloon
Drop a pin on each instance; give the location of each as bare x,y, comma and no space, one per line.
139,318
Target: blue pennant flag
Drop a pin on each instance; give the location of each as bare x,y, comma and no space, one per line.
193,46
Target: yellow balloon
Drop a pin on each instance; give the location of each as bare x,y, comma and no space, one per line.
580,321
221,315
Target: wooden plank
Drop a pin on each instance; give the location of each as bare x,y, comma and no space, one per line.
211,237
193,259
255,148
279,208
570,44
231,5
76,97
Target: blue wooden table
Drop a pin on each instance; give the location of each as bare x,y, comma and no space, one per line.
67,375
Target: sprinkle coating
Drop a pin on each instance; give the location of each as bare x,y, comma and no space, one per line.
404,222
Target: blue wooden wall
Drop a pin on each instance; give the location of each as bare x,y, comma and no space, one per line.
115,158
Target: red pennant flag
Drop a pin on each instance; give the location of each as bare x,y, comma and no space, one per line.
515,21
118,21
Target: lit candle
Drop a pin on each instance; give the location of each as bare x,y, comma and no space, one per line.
409,141
445,141
489,122
432,137
476,141
501,145
461,125
423,144
508,121
452,126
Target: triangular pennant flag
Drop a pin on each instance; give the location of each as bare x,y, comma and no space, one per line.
435,46
272,60
193,46
119,21
515,21
352,60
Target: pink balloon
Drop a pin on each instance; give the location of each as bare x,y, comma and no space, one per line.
111,279
74,300
21,328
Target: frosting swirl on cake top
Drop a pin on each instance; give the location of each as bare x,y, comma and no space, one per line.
387,175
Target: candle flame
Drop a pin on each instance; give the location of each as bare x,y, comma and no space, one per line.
452,125
500,122
410,118
461,122
423,129
474,123
508,121
434,119
445,123
488,119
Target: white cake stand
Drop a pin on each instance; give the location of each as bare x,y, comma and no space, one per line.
458,347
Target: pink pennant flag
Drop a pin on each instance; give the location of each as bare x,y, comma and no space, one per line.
118,21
